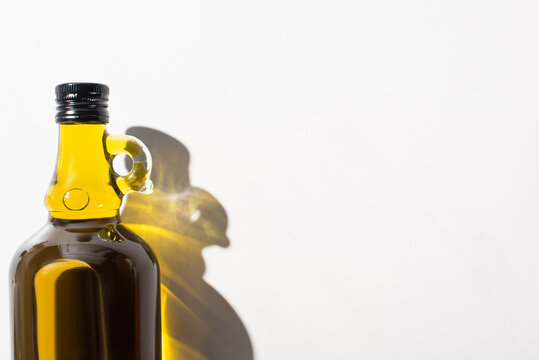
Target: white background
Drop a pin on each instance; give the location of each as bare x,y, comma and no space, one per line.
377,159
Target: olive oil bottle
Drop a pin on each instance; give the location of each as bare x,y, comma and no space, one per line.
85,287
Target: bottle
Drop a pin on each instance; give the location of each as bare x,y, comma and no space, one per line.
85,287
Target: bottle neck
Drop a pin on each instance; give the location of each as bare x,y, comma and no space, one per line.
82,185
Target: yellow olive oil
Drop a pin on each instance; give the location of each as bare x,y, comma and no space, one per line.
85,287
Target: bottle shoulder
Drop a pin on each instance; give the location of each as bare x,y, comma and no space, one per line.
110,243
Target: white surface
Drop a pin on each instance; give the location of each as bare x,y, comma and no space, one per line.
377,159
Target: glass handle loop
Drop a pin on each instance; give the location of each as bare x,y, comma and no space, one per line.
138,180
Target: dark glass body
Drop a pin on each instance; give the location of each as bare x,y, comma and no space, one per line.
107,309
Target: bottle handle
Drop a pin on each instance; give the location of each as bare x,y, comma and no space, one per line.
138,180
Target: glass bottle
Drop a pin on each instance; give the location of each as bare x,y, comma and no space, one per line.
85,287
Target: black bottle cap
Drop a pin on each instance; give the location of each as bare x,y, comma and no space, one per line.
84,103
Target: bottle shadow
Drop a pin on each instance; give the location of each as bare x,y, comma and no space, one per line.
178,221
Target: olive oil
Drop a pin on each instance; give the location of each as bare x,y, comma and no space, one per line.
85,287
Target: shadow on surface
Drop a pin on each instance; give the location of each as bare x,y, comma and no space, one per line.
178,221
